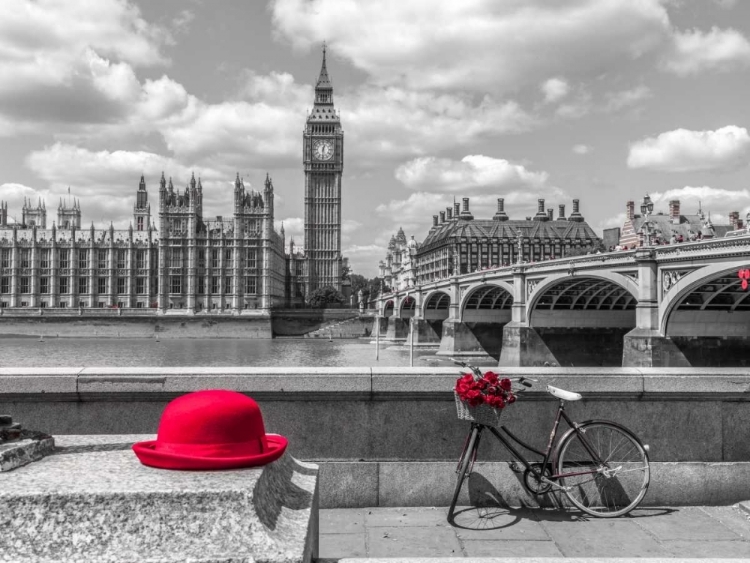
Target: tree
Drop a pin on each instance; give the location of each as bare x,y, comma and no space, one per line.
359,282
324,296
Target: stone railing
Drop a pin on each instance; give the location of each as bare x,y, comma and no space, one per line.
390,436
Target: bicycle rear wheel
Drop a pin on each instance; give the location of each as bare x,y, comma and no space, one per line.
605,471
464,465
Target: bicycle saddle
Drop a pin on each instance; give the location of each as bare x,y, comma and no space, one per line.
562,394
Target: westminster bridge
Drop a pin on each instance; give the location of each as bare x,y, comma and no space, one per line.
655,306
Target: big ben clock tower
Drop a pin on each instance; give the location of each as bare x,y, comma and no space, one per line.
323,157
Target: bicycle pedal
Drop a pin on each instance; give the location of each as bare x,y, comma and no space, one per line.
516,467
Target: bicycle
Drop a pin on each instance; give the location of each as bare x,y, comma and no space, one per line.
600,465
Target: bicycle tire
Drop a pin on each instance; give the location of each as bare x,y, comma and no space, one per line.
615,489
467,457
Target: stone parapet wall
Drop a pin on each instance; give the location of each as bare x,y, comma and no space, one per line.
376,416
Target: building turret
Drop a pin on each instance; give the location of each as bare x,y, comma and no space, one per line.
34,216
500,214
540,214
3,214
142,208
465,213
576,215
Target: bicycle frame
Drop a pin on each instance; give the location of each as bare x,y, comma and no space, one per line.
561,414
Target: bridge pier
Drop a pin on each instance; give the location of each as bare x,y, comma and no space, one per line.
459,340
649,349
645,345
425,333
397,329
522,347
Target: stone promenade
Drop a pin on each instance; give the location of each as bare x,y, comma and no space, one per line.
697,532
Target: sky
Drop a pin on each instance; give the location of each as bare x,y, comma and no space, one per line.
599,100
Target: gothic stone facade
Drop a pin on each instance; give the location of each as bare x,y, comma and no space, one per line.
190,264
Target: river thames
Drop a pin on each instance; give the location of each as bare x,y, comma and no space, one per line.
141,352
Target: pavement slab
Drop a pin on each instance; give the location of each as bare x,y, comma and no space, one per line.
423,535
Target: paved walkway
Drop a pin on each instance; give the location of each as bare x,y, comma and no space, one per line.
683,532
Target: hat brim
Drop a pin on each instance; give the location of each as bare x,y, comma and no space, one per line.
149,455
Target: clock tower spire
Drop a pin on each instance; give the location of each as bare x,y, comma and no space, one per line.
323,161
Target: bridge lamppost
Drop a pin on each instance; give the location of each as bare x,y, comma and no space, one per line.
647,206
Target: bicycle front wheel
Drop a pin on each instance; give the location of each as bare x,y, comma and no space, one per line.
604,469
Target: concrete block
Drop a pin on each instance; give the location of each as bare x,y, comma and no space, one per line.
693,483
736,431
331,381
125,511
38,381
418,381
348,484
711,382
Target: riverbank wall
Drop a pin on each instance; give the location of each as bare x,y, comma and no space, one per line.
146,323
390,436
165,326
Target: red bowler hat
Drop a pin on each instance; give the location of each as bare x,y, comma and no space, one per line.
215,429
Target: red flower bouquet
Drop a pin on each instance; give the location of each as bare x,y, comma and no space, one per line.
481,397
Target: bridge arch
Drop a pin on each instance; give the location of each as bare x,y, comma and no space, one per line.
707,314
436,306
583,318
488,303
388,308
407,307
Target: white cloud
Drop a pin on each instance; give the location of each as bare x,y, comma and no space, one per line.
694,51
726,4
718,201
181,22
683,150
616,101
394,122
106,181
55,58
611,222
484,45
582,149
554,89
471,172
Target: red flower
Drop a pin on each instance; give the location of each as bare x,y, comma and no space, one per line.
506,384
474,397
511,398
491,377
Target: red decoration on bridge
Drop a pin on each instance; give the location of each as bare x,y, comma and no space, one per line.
744,275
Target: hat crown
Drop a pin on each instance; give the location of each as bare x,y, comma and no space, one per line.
211,417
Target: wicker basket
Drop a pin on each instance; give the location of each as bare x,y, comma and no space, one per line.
481,414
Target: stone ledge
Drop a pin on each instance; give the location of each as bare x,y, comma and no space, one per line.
330,383
94,501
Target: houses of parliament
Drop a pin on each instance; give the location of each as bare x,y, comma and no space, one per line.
187,263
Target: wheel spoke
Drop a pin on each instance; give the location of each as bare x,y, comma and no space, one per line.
614,480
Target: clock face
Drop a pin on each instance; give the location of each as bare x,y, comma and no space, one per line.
323,150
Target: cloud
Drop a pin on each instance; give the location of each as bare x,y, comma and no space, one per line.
582,149
726,4
106,181
554,89
683,150
694,51
484,45
718,201
181,22
616,101
471,172
394,122
610,222
72,61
